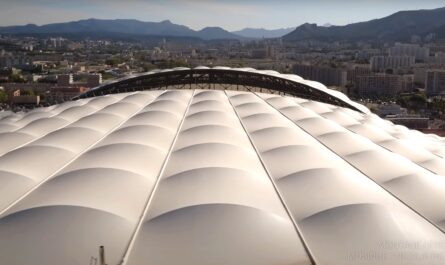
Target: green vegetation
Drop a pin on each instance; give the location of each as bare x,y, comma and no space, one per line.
114,61
3,96
413,102
172,64
437,107
27,92
16,78
106,75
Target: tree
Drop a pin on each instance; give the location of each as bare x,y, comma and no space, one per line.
3,96
113,61
16,78
27,92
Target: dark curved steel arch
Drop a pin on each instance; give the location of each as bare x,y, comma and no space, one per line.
216,76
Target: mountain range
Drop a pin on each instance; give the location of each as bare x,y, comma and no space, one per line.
136,27
258,33
396,27
126,26
399,26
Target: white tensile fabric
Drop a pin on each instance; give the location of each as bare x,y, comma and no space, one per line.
203,177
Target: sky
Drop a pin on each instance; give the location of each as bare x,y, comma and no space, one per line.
196,14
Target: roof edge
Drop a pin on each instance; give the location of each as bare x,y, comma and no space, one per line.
284,83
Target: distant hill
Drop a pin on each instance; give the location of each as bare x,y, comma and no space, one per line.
399,26
212,33
259,33
125,26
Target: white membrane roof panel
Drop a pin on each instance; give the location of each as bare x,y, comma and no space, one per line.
204,177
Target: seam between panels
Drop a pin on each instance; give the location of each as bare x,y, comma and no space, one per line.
73,159
398,138
50,116
356,168
401,139
378,145
59,128
385,148
395,137
286,208
146,208
391,151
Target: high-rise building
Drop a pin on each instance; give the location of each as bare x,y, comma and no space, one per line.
437,59
64,80
10,61
57,42
420,76
326,75
94,80
384,63
435,82
357,71
383,84
415,50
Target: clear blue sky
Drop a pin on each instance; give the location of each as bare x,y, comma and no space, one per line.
229,14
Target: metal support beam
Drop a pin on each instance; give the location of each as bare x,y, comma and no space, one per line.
204,78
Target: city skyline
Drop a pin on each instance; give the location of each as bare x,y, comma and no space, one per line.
198,14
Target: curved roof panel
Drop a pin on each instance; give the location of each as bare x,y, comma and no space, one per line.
217,177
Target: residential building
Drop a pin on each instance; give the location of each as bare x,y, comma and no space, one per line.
435,82
415,50
384,63
94,80
64,80
356,71
326,75
383,85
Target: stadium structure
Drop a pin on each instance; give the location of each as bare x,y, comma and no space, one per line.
217,166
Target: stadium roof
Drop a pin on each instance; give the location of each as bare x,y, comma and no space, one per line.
217,177
206,77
